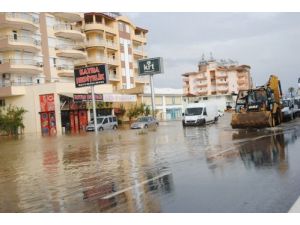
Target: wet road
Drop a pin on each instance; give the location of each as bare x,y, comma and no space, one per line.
171,169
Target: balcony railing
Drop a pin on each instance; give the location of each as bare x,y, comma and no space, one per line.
67,27
75,46
22,39
23,16
29,62
65,67
12,83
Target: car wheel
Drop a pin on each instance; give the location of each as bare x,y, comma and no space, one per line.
146,126
114,127
100,129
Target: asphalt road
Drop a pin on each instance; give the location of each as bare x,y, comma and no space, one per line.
170,169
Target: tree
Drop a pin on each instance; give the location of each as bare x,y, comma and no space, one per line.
291,91
11,119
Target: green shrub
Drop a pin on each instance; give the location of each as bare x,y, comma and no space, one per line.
11,119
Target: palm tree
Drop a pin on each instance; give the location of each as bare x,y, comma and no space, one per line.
291,91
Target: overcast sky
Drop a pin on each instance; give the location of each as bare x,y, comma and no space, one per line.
268,42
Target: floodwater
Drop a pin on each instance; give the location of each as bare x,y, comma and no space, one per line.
170,169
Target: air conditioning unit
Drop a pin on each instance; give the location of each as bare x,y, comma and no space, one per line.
6,76
40,64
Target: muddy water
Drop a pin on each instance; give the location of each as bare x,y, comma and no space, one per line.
171,169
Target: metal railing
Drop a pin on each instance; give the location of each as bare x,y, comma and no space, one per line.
22,16
29,62
67,27
22,39
75,46
65,67
13,83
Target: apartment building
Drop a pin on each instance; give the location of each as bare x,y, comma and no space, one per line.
216,81
113,39
38,53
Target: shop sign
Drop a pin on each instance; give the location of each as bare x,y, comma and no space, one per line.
119,98
150,66
91,75
86,97
47,103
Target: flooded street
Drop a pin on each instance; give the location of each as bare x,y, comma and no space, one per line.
171,169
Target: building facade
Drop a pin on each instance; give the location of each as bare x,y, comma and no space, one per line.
216,81
38,54
169,102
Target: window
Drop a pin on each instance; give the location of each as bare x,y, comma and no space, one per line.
205,113
2,102
105,121
127,28
110,119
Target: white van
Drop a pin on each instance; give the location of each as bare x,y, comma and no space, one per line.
103,123
199,114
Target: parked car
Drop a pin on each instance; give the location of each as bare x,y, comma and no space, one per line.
103,123
288,109
144,122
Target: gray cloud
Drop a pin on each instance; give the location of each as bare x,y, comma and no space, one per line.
268,42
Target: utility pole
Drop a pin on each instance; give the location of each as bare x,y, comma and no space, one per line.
94,109
152,95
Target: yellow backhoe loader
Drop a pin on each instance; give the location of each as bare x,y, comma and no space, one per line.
259,107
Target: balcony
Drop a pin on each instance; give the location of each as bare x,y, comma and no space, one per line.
69,31
69,16
202,92
201,78
97,60
19,21
111,45
203,84
19,43
241,81
71,51
222,82
142,79
95,43
113,77
111,61
65,70
12,89
139,38
24,66
100,26
221,75
138,51
222,89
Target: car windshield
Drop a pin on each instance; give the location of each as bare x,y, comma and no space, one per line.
99,121
143,119
193,111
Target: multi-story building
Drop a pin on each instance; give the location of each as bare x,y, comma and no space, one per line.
114,40
38,54
216,80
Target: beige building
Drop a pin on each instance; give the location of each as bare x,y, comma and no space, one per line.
216,80
38,54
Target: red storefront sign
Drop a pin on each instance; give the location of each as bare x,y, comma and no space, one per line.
48,120
87,97
47,103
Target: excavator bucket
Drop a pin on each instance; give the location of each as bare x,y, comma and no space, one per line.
252,119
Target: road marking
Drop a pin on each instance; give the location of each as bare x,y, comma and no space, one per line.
137,185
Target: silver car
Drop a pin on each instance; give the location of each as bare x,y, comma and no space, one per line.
103,123
144,122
